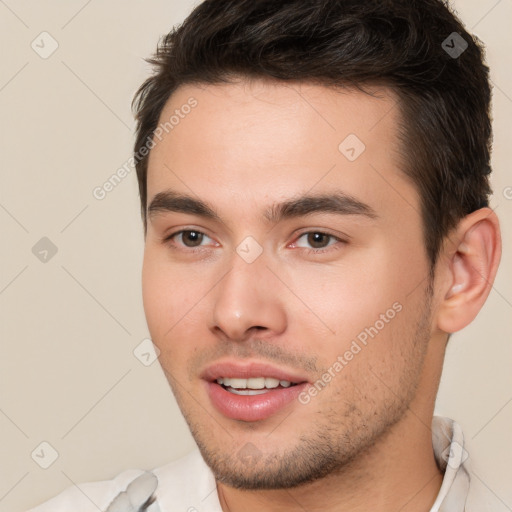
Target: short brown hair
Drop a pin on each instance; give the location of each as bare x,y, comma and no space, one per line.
417,48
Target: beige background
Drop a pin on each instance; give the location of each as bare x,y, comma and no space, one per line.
69,326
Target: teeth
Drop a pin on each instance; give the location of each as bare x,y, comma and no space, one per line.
236,383
254,383
271,382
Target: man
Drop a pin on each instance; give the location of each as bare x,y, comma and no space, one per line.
314,188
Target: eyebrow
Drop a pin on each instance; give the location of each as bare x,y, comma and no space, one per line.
337,202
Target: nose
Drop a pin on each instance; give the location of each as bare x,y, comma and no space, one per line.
246,300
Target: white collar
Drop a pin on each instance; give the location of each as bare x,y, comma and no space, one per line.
452,458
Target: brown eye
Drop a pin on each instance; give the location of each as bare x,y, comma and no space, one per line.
192,238
318,240
189,239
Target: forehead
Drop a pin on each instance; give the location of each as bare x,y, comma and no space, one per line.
263,141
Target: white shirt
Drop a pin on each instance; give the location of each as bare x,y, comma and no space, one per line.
188,484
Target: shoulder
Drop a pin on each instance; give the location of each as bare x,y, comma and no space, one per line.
89,496
185,481
462,487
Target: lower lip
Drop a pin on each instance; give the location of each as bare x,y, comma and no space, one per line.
252,407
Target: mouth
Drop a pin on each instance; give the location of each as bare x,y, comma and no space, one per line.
253,386
251,392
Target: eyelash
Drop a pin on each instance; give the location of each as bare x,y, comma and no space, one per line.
334,247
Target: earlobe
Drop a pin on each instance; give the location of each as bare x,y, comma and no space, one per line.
473,255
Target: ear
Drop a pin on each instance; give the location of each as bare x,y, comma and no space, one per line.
469,265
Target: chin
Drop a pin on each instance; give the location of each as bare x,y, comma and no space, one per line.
249,469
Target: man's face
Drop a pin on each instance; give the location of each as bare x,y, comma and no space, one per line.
325,300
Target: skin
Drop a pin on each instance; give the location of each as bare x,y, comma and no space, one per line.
364,442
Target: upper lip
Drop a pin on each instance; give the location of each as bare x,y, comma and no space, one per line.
247,370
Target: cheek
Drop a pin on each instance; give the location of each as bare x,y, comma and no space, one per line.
378,366
163,306
173,296
356,316
345,299
163,295
153,293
